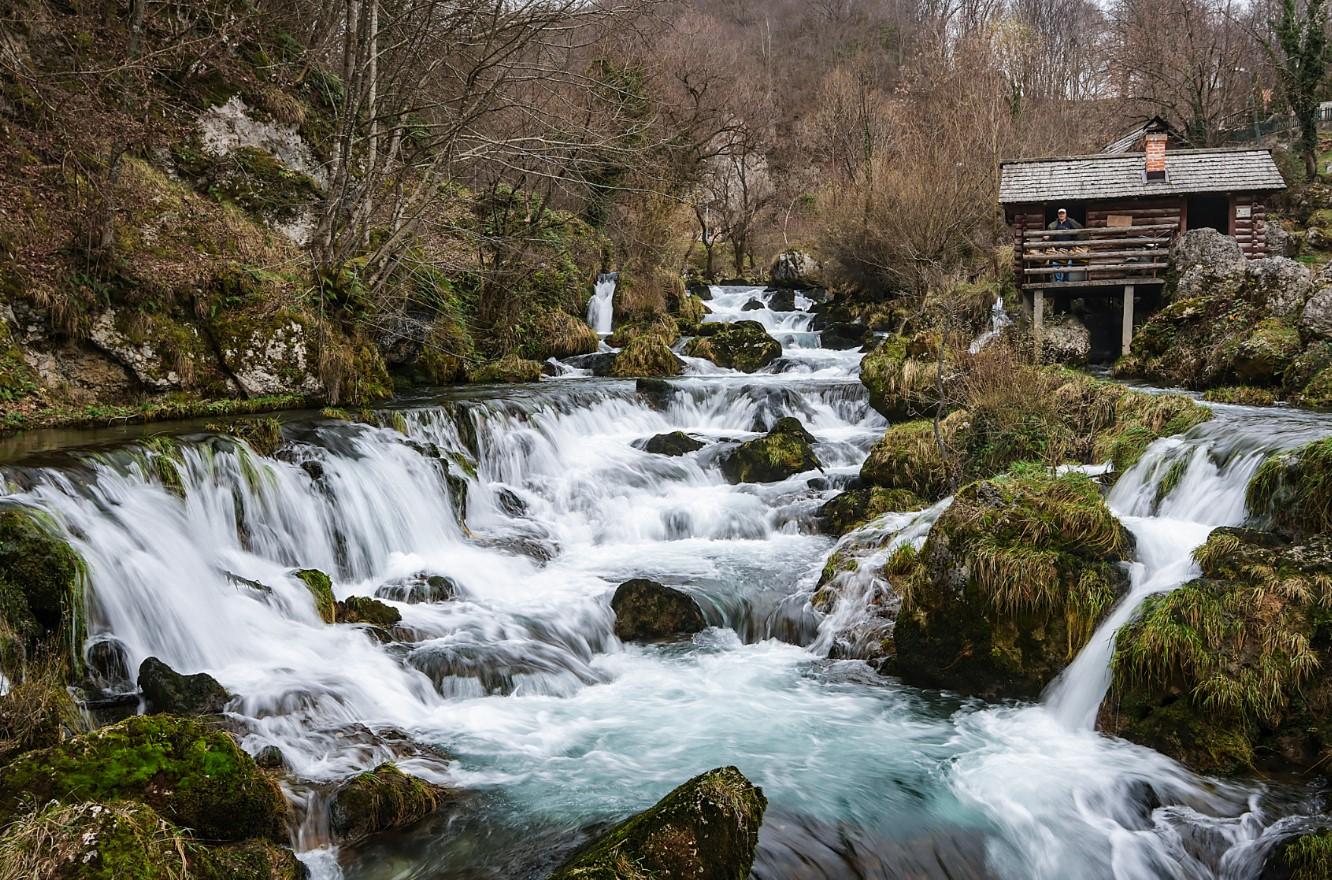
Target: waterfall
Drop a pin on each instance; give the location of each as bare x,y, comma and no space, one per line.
601,307
998,321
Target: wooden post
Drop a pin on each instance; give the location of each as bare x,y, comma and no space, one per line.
1038,321
1128,318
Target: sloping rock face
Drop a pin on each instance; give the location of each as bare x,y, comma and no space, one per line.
707,829
795,269
1009,586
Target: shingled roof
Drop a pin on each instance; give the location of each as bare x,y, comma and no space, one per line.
1088,178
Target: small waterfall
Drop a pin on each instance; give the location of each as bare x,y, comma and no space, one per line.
601,307
998,321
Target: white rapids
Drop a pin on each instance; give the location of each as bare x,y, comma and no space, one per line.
517,691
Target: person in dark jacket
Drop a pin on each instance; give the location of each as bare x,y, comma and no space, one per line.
1063,221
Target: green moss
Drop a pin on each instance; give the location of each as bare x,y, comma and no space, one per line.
1241,395
41,584
249,177
194,776
662,326
449,349
379,800
1317,394
362,609
783,452
741,345
1307,857
17,379
901,375
94,841
38,712
909,457
1010,584
509,369
707,828
321,588
163,459
1292,491
1139,420
557,334
251,860
264,436
646,355
165,409
855,507
1265,353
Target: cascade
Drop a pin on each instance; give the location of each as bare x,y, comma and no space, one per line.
601,307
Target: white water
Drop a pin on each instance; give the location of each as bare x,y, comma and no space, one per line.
554,723
998,321
601,307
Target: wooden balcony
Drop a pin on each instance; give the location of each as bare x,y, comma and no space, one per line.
1107,256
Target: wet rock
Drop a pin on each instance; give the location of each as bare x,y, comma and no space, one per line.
1223,673
41,587
108,666
782,301
419,588
321,588
700,289
599,364
166,690
1009,585
742,345
855,507
753,305
674,443
796,269
657,390
843,336
646,356
508,370
372,612
1065,340
193,775
647,611
782,453
313,468
270,758
707,829
510,503
264,436
380,800
1291,493
251,860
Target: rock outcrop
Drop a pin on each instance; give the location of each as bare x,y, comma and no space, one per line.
647,611
166,690
707,829
782,453
379,800
742,345
795,269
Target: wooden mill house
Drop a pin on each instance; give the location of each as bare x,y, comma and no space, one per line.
1130,204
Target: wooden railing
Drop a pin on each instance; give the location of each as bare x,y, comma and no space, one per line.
1110,256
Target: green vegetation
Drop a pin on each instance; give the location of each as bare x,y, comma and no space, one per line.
1241,395
1009,585
41,587
707,829
742,345
855,507
167,409
94,841
910,457
783,452
321,588
509,369
38,711
194,776
362,609
902,376
264,436
1220,673
646,355
379,800
1307,857
1292,491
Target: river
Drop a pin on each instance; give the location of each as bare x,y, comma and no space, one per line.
516,691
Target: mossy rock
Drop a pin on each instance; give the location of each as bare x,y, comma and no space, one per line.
782,453
95,841
193,775
741,345
1264,354
901,375
363,609
1291,492
166,690
1241,395
663,327
38,712
448,350
909,458
380,800
1317,393
264,436
855,507
1305,857
320,586
1139,419
17,379
1223,672
647,356
509,370
251,860
707,829
1010,585
41,585
674,443
558,334
647,611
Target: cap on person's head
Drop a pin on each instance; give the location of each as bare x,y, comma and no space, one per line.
1062,211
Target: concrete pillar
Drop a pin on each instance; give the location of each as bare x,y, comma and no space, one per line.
1038,322
1128,319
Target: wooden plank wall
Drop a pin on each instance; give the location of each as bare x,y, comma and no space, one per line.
1025,218
1156,211
1251,231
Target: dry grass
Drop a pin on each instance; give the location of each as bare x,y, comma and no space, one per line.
105,840
38,711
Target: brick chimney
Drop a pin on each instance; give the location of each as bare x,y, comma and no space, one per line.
1155,149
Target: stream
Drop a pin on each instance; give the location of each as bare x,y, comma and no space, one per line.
516,691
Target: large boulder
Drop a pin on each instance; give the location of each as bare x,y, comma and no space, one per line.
1282,283
41,586
707,829
508,370
166,690
647,355
782,453
1223,672
1262,355
674,443
796,269
378,800
1316,318
1205,253
195,776
908,457
1010,585
647,611
1281,243
902,376
1065,340
741,345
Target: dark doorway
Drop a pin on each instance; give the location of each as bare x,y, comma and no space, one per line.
1210,211
1075,210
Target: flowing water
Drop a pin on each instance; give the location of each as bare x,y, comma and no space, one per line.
516,692
601,307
